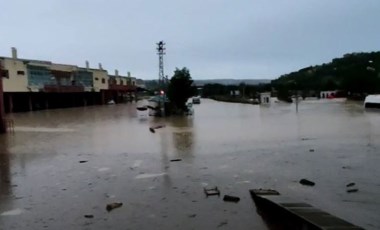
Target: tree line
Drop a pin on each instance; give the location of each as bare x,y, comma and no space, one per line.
354,75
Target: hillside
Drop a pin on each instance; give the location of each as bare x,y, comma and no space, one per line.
355,73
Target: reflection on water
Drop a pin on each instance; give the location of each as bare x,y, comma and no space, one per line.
42,129
5,170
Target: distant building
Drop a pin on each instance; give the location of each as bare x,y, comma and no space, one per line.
328,94
36,84
265,98
235,93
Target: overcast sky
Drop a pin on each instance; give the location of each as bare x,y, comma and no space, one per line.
213,38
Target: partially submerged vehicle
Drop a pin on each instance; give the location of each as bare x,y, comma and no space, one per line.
196,100
156,104
372,101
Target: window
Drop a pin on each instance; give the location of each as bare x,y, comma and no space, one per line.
4,73
103,81
96,79
20,72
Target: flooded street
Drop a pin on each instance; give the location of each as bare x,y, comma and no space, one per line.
60,165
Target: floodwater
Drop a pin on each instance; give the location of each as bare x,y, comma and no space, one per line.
236,147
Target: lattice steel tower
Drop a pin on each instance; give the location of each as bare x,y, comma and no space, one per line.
161,52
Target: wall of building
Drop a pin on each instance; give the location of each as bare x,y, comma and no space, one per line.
17,80
36,84
100,79
62,67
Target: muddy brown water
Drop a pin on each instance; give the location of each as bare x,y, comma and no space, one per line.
236,147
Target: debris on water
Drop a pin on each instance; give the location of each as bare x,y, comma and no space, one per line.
350,184
305,139
346,167
153,128
112,206
311,150
89,216
222,224
176,160
192,215
229,198
265,192
307,182
352,190
211,191
142,108
82,162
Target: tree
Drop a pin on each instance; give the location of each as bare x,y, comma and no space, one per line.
180,89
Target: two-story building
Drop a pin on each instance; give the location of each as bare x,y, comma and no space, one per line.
34,84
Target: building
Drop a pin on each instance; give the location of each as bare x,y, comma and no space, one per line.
36,84
265,98
328,94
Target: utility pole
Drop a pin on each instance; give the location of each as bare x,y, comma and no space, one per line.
161,76
3,128
161,52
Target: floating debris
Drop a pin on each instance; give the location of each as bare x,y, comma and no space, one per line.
258,192
192,215
112,206
311,150
222,224
211,191
350,184
229,198
153,128
176,160
352,190
89,216
307,182
82,162
142,108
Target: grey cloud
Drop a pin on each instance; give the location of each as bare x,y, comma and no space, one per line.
215,38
